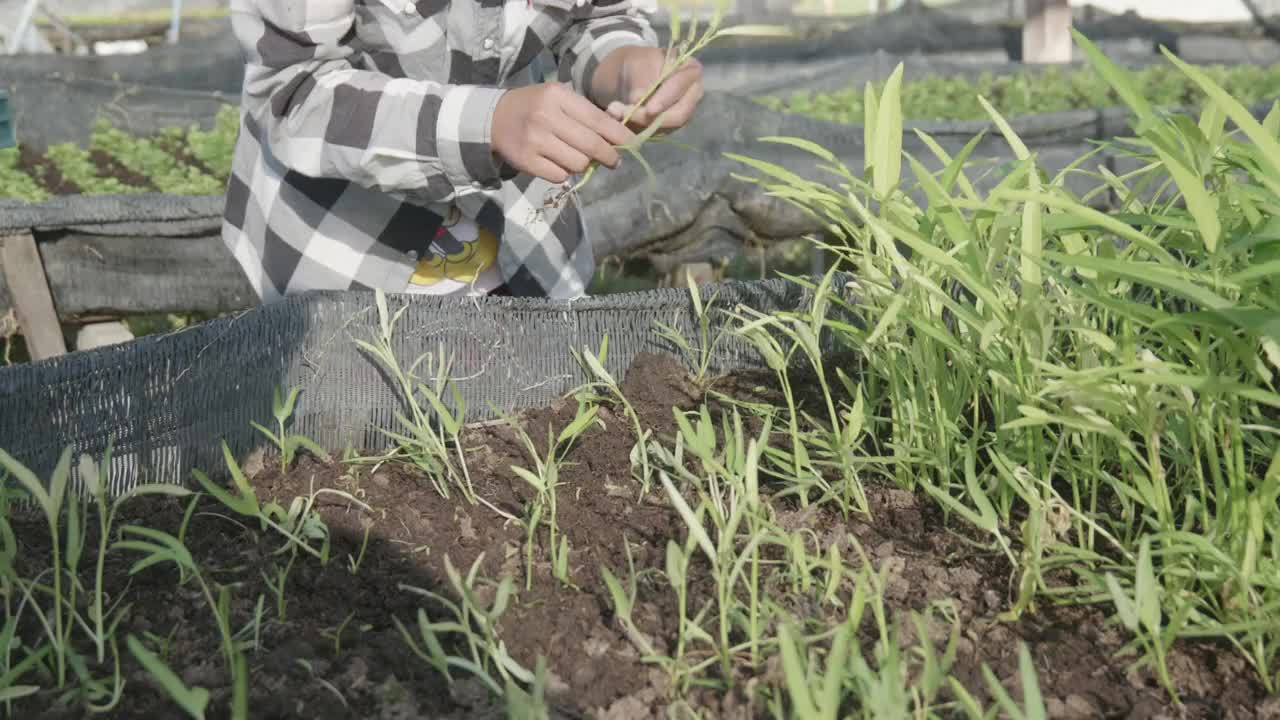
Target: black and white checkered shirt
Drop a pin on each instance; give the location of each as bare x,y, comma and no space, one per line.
365,123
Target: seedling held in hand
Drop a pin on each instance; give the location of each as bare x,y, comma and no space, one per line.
684,45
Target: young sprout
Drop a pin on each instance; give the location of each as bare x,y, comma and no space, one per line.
477,626
704,353
600,378
288,444
299,525
544,479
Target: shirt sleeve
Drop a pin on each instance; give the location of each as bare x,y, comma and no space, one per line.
603,26
322,116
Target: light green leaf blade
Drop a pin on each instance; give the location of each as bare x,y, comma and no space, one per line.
193,701
691,520
888,133
1199,203
1119,79
1267,143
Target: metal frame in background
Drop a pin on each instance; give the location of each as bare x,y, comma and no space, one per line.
26,22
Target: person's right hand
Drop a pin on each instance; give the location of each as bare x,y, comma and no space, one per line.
551,132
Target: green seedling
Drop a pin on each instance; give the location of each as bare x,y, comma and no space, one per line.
250,636
288,444
277,585
193,701
733,555
1032,707
50,503
531,704
624,602
67,552
159,548
702,355
544,479
477,626
335,634
1056,374
95,478
431,440
353,563
593,364
300,524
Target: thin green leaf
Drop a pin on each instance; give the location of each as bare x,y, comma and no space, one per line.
192,701
691,520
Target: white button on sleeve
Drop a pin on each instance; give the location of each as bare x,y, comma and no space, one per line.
410,8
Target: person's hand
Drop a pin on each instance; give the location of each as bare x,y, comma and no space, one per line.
551,132
629,72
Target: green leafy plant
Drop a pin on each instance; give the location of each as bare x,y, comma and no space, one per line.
599,378
729,497
431,440
216,147
149,158
702,355
14,182
288,444
955,97
95,476
544,478
474,623
1107,379
158,548
193,701
77,166
300,524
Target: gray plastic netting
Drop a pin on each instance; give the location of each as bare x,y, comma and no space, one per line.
167,402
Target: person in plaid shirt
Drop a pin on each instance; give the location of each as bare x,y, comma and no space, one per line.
407,146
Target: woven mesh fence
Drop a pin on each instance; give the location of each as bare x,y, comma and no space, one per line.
166,403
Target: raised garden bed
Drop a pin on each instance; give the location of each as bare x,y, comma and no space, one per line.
1021,461
954,96
175,161
341,638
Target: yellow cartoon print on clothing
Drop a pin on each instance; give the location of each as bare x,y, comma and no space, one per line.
459,255
463,266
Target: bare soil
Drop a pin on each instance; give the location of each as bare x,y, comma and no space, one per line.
337,654
45,172
110,167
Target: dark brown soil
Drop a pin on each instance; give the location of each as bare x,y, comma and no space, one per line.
299,671
45,172
108,166
178,148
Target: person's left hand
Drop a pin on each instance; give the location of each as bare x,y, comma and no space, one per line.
634,71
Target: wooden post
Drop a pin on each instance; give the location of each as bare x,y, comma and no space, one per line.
32,300
1046,36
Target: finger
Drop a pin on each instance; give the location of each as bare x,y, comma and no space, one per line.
640,84
681,113
617,110
598,121
588,143
565,155
547,170
674,88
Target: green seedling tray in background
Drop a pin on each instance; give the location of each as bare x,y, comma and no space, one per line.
6,122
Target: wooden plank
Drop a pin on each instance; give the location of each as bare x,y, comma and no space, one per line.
104,277
32,300
1046,36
